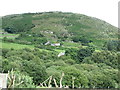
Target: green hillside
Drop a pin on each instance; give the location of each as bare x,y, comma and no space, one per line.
58,27
59,50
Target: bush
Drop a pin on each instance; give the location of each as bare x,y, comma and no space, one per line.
85,52
21,80
35,70
107,57
112,45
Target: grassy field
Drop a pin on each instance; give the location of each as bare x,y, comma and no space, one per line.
10,36
58,50
15,46
72,45
20,46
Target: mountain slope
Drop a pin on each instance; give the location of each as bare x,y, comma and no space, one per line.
58,26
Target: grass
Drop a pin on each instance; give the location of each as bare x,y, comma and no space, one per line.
70,44
10,36
58,50
15,46
21,46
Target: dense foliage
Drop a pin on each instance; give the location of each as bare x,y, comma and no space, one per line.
52,43
40,65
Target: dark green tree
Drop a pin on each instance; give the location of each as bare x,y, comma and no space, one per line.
85,52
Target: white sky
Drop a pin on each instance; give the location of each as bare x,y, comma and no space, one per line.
106,10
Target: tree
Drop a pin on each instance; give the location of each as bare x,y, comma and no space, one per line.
10,62
80,79
17,79
76,39
107,57
81,39
112,45
100,80
35,70
85,52
72,53
4,52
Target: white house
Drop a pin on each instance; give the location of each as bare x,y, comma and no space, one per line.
61,54
47,43
55,44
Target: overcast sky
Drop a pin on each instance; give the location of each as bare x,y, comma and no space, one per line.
106,10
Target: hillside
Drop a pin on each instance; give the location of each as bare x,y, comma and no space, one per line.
58,27
59,50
